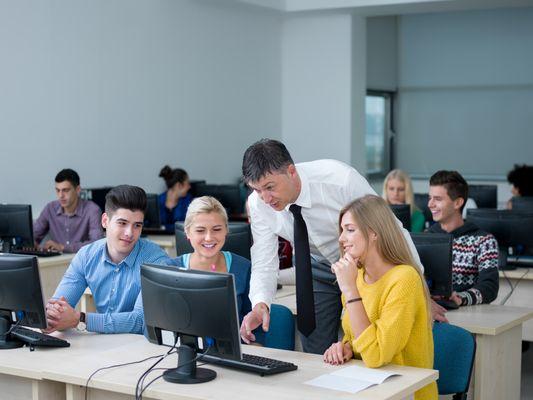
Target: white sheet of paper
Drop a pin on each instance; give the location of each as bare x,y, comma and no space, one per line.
330,381
372,375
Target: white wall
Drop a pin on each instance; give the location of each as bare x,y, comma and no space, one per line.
117,89
319,83
466,92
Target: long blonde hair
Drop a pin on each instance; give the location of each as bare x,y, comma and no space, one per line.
372,213
401,176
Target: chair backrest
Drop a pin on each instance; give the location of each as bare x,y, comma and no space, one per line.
238,241
455,349
280,334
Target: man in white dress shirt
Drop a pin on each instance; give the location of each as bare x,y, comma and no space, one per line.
321,188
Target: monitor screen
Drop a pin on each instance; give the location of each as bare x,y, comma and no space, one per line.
16,225
485,196
512,229
403,213
238,240
435,251
228,195
421,201
96,195
152,218
522,203
21,298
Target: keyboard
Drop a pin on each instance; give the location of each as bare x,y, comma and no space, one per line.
34,251
35,338
251,363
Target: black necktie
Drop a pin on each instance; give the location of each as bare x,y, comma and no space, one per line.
305,304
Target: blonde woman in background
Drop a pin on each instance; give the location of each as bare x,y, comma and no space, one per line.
386,317
398,189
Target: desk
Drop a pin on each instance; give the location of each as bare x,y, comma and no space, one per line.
52,270
522,295
64,372
167,242
498,331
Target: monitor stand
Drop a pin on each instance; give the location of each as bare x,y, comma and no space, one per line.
7,342
186,372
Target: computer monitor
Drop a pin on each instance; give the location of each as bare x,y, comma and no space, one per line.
421,201
435,252
199,308
238,240
512,229
522,203
228,195
403,213
485,196
194,186
96,195
16,226
21,297
152,218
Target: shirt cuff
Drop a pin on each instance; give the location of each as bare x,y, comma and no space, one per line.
95,322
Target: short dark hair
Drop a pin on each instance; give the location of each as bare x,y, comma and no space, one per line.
131,198
454,183
173,176
70,175
521,177
264,157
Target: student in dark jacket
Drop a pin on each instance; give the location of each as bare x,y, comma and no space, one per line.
474,252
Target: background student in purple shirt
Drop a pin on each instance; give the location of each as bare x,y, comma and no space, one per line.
69,221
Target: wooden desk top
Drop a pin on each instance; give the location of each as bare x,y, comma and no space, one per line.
489,319
165,241
286,290
519,273
54,261
89,352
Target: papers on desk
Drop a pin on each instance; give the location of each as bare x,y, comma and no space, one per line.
351,379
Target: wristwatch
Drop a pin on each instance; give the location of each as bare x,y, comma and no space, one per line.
81,325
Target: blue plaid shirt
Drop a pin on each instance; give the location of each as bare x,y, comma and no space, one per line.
116,288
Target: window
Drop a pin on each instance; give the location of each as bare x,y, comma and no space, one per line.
378,132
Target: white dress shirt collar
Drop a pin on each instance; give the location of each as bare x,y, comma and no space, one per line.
304,198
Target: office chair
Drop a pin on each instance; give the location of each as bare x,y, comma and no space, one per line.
238,241
280,334
455,350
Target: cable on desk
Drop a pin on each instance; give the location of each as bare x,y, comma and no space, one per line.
513,287
115,366
140,388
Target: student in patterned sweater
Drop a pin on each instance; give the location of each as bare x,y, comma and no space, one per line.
474,252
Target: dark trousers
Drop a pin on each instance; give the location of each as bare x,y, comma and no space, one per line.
328,309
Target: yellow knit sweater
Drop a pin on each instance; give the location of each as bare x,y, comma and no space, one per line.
399,332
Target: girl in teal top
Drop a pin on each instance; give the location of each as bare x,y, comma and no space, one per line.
398,189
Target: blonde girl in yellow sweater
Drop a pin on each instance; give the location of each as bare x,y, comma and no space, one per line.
386,316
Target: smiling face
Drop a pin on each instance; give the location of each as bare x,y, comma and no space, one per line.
351,239
207,234
123,229
395,191
278,189
442,207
